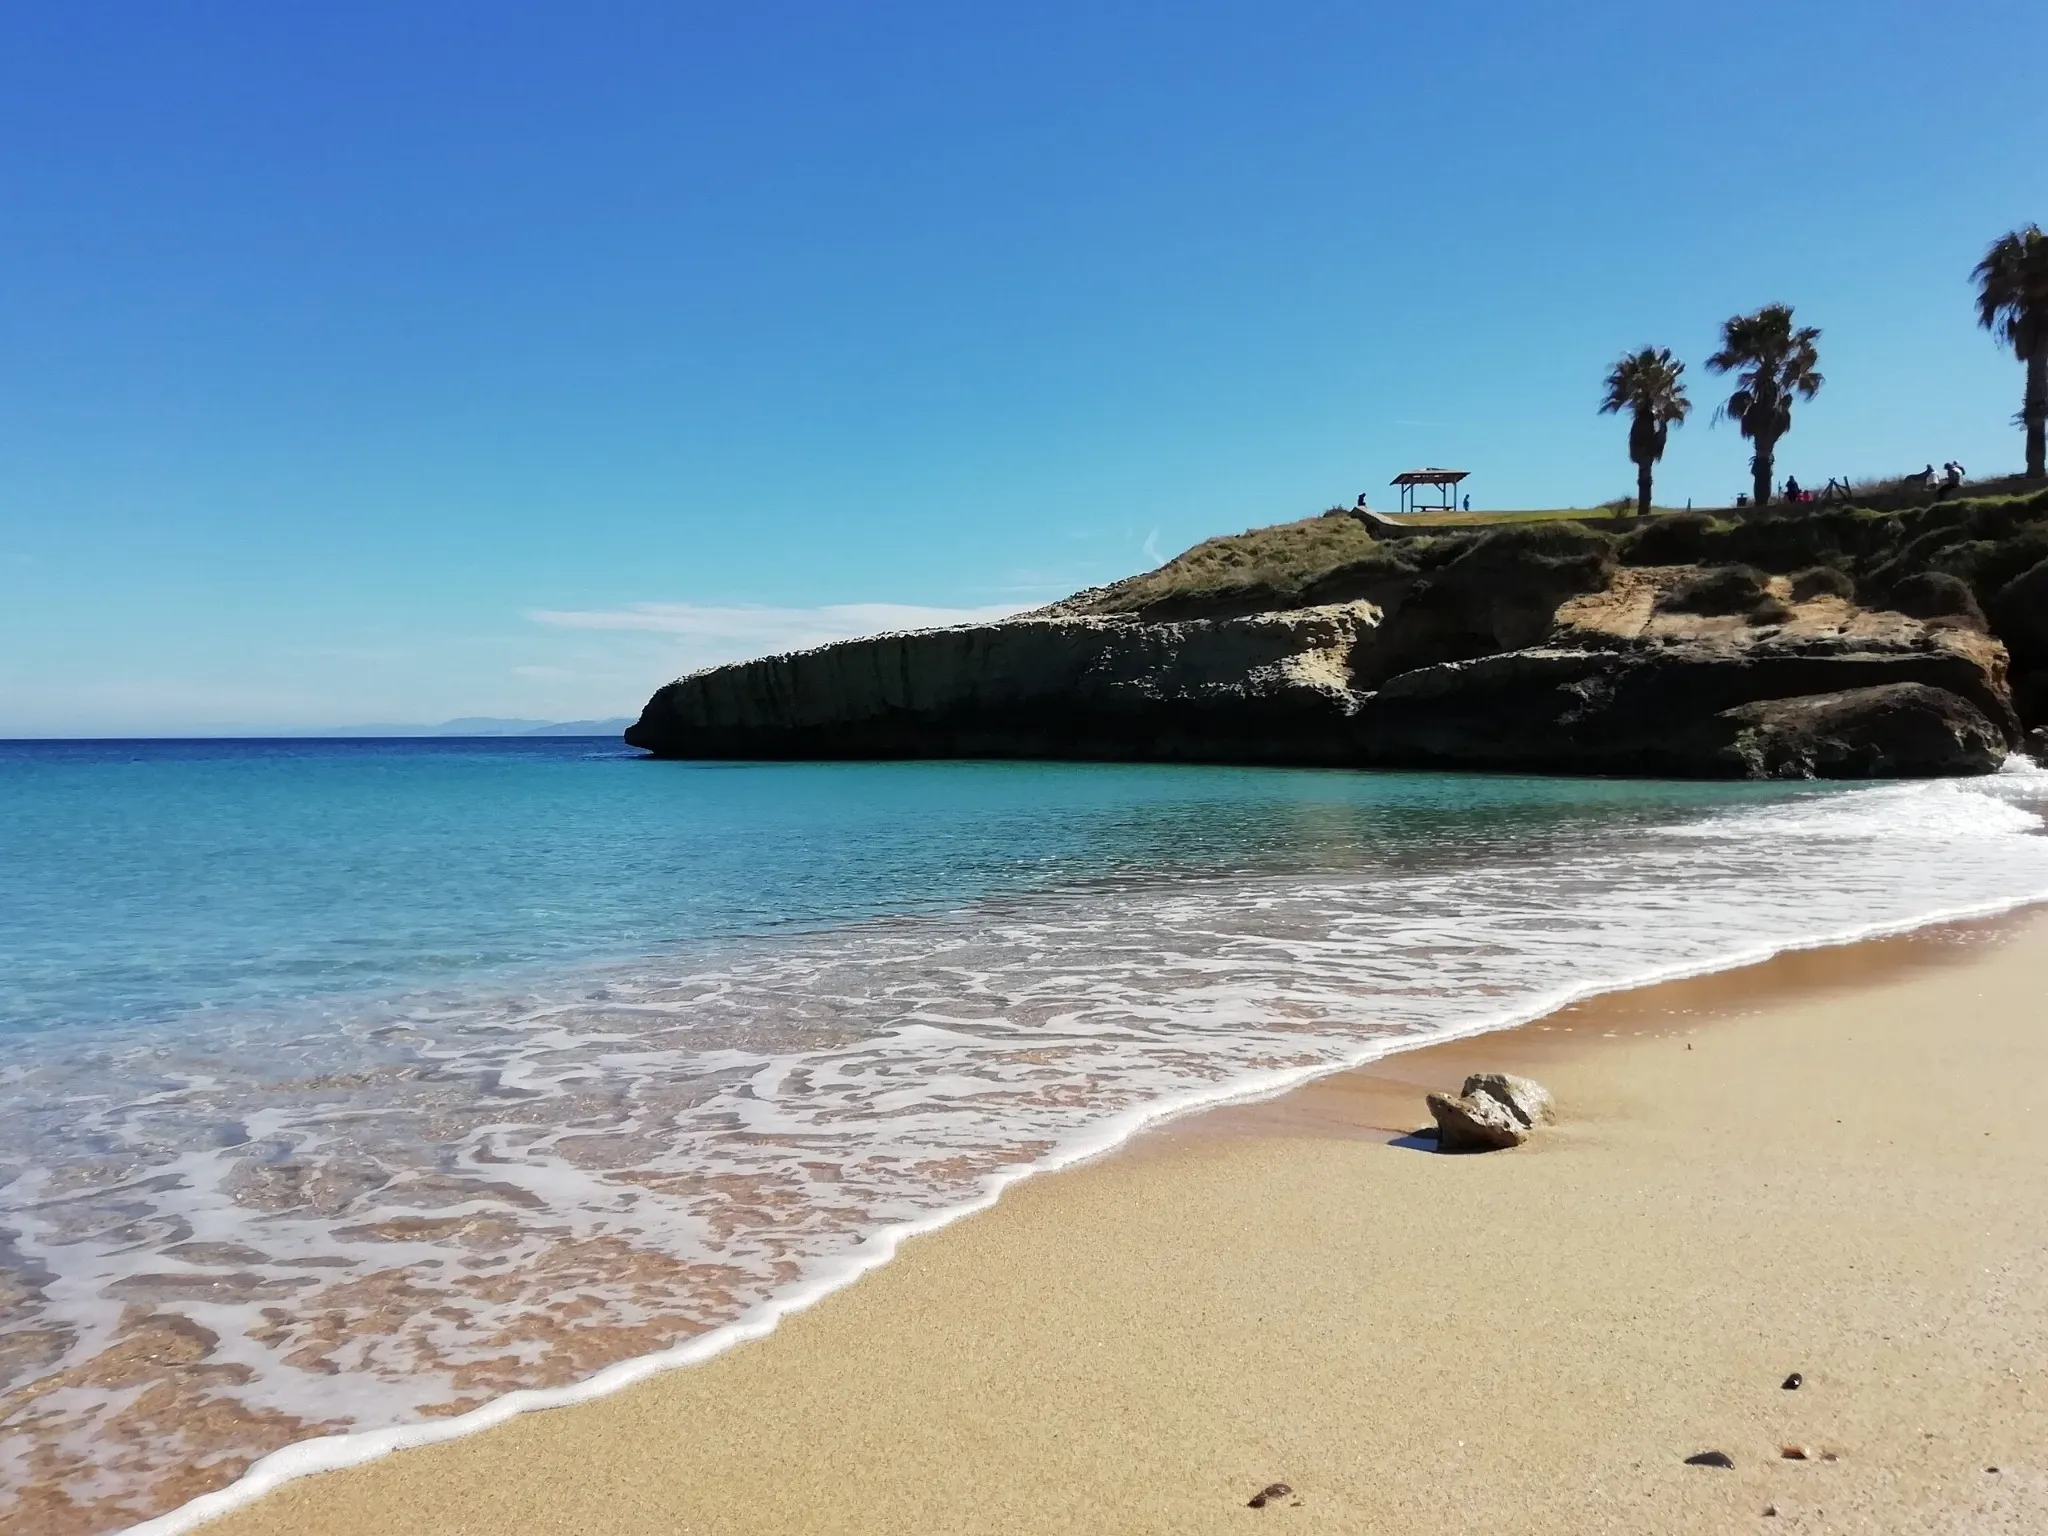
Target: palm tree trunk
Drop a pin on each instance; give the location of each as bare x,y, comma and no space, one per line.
2034,412
1643,473
1761,463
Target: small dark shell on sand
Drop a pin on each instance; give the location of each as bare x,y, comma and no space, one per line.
1792,1452
1793,1382
1267,1494
1710,1459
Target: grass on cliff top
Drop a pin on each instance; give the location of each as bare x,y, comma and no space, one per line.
1283,558
1272,568
1455,519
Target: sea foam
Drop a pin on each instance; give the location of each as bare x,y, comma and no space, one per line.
406,1218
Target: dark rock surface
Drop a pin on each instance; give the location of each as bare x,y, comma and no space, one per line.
1689,646
1475,1123
1500,594
1699,711
1896,731
1971,554
1296,688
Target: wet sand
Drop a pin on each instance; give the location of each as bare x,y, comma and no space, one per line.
1835,1164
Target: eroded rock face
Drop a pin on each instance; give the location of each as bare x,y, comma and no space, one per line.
1523,1097
1898,730
1270,687
1501,594
1677,710
1475,1123
1550,662
2019,611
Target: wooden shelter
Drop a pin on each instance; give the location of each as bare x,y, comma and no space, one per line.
1444,481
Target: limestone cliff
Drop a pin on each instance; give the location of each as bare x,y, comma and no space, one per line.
1271,687
1540,655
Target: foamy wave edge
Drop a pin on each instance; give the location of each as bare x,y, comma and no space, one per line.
332,1453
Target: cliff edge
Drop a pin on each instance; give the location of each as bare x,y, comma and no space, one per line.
1850,644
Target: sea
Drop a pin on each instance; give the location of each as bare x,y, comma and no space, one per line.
356,1093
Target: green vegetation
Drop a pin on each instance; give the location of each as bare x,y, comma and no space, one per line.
1936,595
2012,303
1719,589
1650,387
1976,562
1450,520
1262,567
1327,559
1839,547
1774,362
1822,581
1894,493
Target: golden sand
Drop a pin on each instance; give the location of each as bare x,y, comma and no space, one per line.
1834,1164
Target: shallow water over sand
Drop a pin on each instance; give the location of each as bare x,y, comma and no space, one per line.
350,1084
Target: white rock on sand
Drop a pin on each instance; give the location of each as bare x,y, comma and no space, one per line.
1526,1099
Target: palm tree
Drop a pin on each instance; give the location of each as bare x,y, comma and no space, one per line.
2012,304
1648,386
1772,361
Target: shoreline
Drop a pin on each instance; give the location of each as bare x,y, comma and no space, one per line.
1381,1100
1310,1103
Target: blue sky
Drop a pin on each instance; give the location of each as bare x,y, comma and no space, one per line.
396,362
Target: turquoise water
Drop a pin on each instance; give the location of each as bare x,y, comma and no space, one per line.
147,879
409,1074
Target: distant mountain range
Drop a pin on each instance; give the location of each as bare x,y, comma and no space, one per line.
476,725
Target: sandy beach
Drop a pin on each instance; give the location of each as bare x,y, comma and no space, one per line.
1834,1164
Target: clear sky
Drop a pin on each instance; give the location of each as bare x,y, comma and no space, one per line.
392,361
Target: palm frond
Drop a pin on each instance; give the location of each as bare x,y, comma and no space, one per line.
1773,362
2012,289
1649,384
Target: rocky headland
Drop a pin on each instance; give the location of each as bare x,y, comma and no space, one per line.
1851,642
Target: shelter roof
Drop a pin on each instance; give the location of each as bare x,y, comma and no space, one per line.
1429,477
